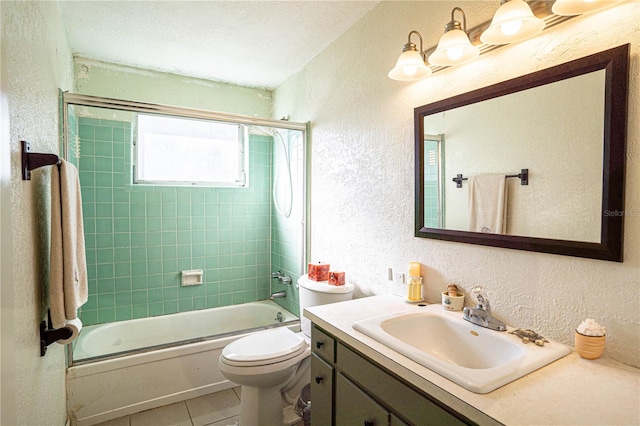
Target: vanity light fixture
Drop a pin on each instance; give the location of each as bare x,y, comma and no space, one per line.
579,7
458,45
411,64
454,47
513,22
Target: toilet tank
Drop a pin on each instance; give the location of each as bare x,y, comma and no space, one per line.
314,293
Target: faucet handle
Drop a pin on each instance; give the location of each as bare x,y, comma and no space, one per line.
479,295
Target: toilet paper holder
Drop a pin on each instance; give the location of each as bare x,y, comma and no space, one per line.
50,335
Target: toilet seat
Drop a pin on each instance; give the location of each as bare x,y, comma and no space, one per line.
263,348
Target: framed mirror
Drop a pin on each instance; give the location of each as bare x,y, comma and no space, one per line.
557,135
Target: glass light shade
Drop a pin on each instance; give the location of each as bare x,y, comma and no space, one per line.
410,67
579,7
513,22
454,48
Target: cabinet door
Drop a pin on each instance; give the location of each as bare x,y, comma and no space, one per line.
321,392
356,408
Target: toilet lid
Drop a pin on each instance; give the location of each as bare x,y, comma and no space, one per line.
265,347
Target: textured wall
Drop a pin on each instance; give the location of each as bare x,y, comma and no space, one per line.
134,84
361,171
36,61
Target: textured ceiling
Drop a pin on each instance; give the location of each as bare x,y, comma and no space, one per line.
250,43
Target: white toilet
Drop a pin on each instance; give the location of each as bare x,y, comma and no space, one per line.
273,365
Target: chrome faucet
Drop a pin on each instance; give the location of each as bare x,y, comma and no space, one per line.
282,278
278,295
481,314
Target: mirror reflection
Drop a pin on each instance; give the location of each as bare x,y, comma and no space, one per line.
555,131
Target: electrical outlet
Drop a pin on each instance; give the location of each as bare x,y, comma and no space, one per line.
400,279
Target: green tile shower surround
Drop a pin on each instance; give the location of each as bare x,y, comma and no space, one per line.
139,238
431,188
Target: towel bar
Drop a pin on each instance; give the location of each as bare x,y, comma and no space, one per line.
33,160
523,176
50,335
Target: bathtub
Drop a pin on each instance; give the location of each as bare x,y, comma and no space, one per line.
129,366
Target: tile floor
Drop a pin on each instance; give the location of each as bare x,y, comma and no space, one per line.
216,409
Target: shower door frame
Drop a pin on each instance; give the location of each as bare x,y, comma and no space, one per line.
69,99
178,111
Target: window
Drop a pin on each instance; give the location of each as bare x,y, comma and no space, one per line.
183,151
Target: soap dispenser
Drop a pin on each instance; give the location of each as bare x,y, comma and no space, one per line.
414,285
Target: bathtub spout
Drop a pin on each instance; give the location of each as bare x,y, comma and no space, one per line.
278,295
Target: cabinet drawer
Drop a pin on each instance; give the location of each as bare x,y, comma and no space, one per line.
411,406
321,391
354,407
323,344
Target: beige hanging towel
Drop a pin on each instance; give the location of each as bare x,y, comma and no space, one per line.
488,204
68,280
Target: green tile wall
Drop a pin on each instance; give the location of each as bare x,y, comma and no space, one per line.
138,239
431,188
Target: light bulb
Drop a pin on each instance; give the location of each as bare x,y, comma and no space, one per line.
511,28
454,53
454,47
514,21
410,67
410,70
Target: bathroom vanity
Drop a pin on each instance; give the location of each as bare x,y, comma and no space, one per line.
354,390
357,380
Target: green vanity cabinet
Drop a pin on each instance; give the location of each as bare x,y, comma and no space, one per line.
355,407
322,375
322,391
348,389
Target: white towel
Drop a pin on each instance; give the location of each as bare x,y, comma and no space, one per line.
487,204
68,280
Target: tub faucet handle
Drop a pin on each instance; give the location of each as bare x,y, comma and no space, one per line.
282,278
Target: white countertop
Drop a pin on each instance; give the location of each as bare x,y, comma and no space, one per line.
570,391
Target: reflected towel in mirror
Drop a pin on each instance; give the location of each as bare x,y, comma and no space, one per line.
488,204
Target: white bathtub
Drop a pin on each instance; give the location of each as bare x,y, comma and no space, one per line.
141,378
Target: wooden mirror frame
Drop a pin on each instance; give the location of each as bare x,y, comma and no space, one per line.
615,62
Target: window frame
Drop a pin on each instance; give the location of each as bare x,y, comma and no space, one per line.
242,180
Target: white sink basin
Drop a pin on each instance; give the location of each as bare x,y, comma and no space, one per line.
476,358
